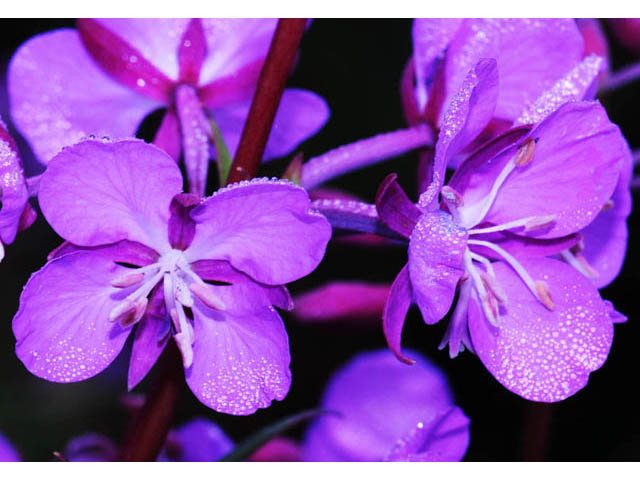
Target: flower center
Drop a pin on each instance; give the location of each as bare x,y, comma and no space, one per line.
180,285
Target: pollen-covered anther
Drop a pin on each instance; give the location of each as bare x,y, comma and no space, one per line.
181,292
139,307
588,269
127,280
539,223
525,153
494,288
185,345
206,296
451,196
544,293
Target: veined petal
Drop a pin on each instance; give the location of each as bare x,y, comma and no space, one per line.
436,250
240,356
468,113
540,354
263,228
59,95
379,400
13,189
300,115
576,162
62,328
96,193
531,55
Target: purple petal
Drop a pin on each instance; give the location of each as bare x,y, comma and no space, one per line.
431,36
182,228
380,400
580,83
351,302
122,61
467,115
199,440
263,228
575,167
192,52
234,43
126,252
91,447
395,313
436,250
300,115
59,95
443,438
168,135
7,452
278,449
605,238
544,355
62,328
240,356
531,55
13,189
394,207
151,336
157,39
97,193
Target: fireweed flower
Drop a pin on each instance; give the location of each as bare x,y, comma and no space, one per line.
139,252
199,440
105,77
7,452
15,212
510,212
388,411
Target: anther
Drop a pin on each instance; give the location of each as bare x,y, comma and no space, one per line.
206,296
545,294
494,288
525,153
451,196
127,280
539,223
139,307
184,344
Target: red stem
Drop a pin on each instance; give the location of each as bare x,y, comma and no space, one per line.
273,77
147,435
537,430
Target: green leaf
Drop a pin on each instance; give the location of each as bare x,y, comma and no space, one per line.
223,156
261,437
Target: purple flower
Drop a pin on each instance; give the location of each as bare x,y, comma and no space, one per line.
105,77
15,212
199,440
7,452
388,411
510,213
140,252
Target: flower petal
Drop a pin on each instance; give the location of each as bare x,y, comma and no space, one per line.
436,250
300,115
240,356
543,355
395,313
278,449
531,55
150,338
62,328
7,452
379,400
199,440
442,438
13,189
394,207
605,238
468,113
263,228
351,302
96,193
59,95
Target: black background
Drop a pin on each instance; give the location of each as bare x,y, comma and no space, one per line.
355,65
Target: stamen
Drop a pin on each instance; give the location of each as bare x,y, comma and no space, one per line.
494,288
206,296
458,322
184,336
139,308
525,153
127,279
450,195
577,260
529,224
480,289
539,223
181,291
519,269
545,294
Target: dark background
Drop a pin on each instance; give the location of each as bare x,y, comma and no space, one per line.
355,65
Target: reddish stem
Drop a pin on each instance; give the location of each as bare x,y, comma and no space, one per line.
273,77
147,435
537,430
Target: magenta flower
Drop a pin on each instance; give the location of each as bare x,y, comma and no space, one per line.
7,452
15,212
139,252
509,213
105,77
387,411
